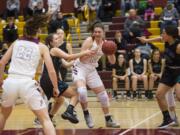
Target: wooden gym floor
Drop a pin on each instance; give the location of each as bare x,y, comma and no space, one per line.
136,117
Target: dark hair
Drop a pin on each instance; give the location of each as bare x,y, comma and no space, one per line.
172,30
49,39
124,63
153,52
34,23
93,25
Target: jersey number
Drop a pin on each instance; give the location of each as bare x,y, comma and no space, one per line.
24,53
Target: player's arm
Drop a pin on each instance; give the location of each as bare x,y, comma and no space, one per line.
162,67
61,54
51,71
86,45
147,40
39,70
67,64
4,60
69,48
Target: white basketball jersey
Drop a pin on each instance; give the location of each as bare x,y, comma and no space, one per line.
25,58
93,61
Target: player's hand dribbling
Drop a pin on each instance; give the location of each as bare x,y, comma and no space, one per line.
56,92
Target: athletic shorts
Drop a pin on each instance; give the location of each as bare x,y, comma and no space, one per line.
170,77
86,73
47,87
24,88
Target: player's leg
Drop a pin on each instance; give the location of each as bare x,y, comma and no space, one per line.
71,93
177,88
37,104
9,96
171,105
82,90
44,118
4,114
79,78
55,107
160,94
96,85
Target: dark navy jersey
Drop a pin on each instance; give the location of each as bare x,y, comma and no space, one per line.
120,70
156,66
63,47
57,64
138,67
171,57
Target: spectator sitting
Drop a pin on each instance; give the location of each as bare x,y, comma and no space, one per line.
94,6
120,72
169,16
138,67
156,67
121,43
79,6
107,10
10,32
146,49
133,26
59,22
149,12
39,9
34,6
12,9
126,5
54,5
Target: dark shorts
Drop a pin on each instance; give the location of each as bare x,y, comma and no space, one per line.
48,87
170,77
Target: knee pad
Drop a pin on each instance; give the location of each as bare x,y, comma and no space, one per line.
103,98
170,98
82,94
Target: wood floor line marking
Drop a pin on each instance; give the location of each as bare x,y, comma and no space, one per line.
139,123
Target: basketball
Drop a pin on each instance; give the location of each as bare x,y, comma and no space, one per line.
109,47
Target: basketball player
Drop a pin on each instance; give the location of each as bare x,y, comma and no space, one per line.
25,55
171,73
170,94
66,91
84,73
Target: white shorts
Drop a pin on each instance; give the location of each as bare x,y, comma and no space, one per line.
24,88
86,73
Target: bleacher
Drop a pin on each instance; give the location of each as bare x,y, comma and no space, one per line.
78,31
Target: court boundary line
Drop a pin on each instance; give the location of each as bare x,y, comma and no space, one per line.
139,123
